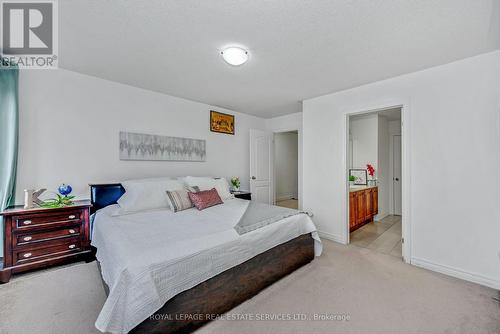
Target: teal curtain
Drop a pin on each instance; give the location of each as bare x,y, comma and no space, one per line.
9,128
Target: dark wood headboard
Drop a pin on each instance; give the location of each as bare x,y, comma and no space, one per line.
102,195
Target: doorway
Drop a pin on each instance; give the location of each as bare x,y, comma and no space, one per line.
374,162
286,174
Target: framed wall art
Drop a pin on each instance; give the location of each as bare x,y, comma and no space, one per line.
220,122
360,175
139,146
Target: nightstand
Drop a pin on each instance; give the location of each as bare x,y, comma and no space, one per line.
40,237
242,195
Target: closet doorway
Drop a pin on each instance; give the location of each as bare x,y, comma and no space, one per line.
286,172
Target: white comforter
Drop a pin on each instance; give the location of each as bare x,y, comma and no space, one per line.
149,257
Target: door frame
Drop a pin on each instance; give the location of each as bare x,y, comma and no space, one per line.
299,163
405,168
392,209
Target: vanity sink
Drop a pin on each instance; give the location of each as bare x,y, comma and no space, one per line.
357,188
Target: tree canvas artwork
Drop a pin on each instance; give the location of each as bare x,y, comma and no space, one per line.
137,146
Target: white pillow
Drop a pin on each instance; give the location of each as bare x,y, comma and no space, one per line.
146,194
207,183
222,187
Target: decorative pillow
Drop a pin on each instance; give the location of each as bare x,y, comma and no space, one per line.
146,194
205,198
179,200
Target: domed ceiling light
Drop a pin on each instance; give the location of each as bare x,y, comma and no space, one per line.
235,56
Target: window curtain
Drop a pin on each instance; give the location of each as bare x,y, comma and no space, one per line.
9,128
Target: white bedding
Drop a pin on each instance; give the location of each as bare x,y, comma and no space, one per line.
149,257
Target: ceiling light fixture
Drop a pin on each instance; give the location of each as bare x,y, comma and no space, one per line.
235,56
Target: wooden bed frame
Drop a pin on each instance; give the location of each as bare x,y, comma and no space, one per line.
192,308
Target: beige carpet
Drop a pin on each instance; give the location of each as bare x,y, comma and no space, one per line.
378,292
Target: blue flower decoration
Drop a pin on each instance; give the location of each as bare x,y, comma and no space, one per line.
65,189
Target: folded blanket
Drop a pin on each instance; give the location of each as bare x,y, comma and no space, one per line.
258,215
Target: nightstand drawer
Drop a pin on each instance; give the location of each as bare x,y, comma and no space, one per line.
37,237
30,255
47,219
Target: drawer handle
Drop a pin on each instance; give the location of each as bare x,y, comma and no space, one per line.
27,255
71,231
27,238
71,216
27,222
71,246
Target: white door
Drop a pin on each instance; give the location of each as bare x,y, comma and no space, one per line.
261,166
396,176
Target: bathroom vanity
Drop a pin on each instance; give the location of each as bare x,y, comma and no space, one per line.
363,205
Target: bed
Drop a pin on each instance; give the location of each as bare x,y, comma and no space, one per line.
168,272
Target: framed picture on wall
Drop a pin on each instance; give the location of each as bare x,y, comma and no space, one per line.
361,178
140,146
220,122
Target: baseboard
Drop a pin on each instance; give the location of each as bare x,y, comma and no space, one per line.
380,216
454,272
332,237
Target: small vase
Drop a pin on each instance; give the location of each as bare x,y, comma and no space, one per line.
236,189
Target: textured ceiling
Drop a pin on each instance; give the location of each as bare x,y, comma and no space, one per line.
298,49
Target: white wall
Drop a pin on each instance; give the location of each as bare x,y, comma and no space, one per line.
69,125
290,123
364,134
384,181
286,165
395,127
454,136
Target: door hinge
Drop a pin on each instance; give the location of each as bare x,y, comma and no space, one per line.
403,240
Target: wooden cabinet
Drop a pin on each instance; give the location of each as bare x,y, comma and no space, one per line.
360,207
363,206
39,237
352,211
369,205
374,201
